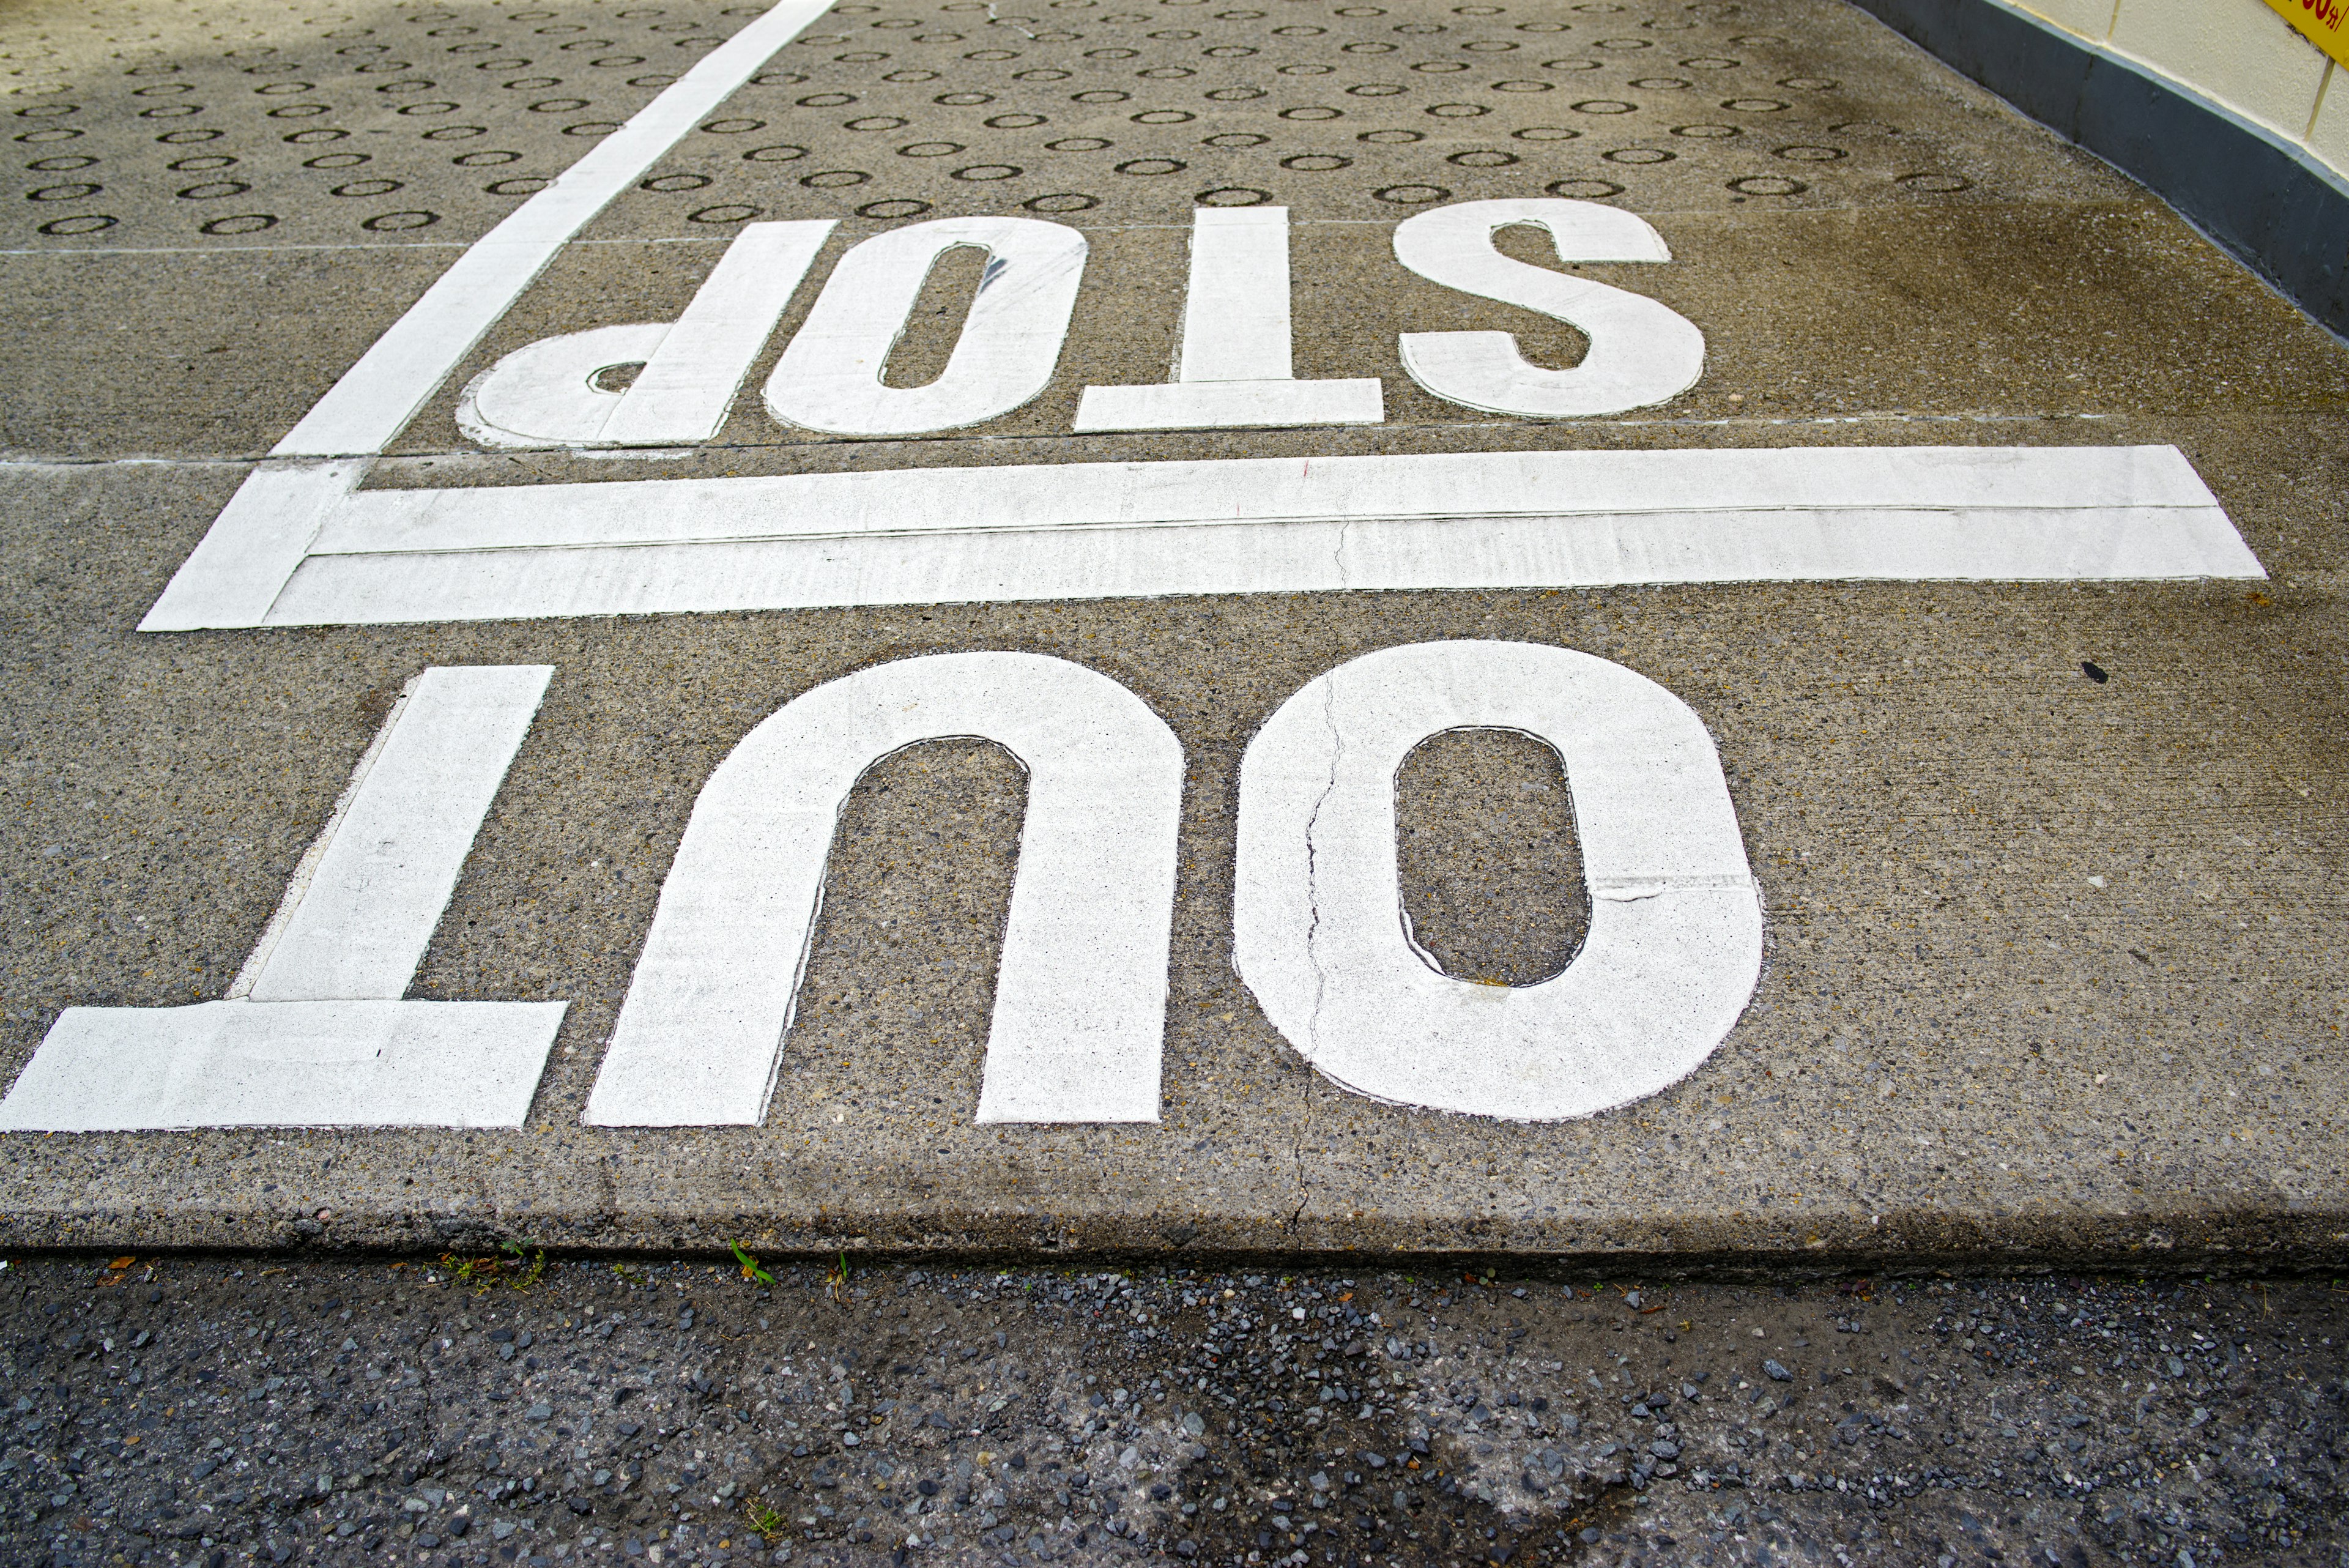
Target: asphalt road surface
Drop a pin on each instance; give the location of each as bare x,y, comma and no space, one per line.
217,1410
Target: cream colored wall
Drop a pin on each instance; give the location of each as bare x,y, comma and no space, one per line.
2237,52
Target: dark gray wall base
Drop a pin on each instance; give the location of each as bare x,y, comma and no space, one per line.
2269,202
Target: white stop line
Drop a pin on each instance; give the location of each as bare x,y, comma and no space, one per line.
304,541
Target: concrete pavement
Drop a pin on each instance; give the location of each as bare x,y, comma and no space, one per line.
2047,870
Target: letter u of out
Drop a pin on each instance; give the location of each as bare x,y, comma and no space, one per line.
1080,995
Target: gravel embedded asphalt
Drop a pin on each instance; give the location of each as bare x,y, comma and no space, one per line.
257,1409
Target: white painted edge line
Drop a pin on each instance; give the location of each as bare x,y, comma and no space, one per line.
1080,991
313,1032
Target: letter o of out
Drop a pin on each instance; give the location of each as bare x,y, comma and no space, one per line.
1675,941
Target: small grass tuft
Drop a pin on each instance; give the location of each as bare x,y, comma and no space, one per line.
519,1270
765,1521
751,1269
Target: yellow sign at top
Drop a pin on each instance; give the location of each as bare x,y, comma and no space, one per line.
2320,21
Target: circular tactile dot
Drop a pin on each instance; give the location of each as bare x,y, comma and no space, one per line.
1808,153
731,213
1236,139
899,208
1411,195
1061,202
781,154
1584,190
80,223
241,224
1942,183
1316,163
1150,166
1456,111
521,185
1754,104
1605,106
892,122
1078,144
1637,155
929,149
1522,86
1391,138
1233,196
666,182
1706,132
983,173
1767,185
1312,111
1482,158
393,223
1662,83
74,192
1163,117
1810,84
1544,133
835,179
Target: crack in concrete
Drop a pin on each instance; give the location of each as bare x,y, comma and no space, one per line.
1313,896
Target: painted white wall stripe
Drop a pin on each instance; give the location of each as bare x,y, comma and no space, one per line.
315,1034
1485,520
1081,994
1318,930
